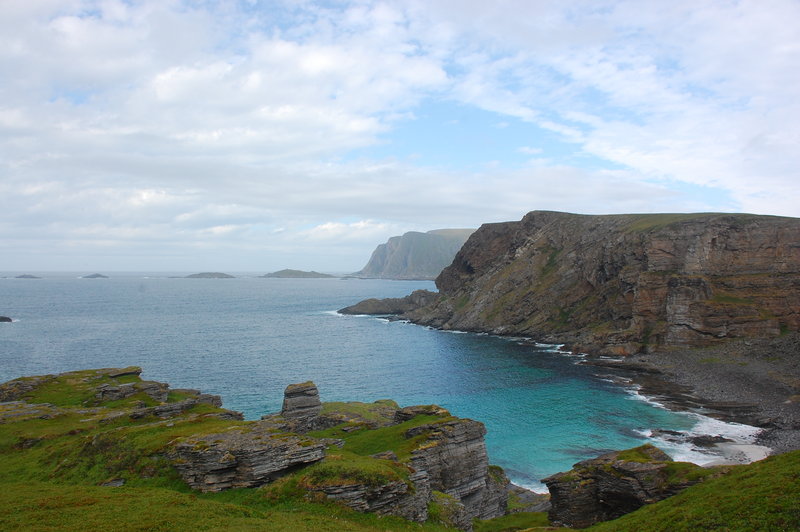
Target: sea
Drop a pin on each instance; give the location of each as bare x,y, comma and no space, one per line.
248,337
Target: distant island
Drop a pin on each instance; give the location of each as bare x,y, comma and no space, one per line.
209,275
27,276
415,255
95,276
298,274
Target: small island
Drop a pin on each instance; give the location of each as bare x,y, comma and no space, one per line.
27,276
95,276
210,275
298,274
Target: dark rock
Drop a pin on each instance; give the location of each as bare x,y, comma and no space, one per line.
392,305
5,319
612,485
114,483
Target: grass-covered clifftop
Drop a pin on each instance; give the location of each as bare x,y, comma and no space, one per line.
102,449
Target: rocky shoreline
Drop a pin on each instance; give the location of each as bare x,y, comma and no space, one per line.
753,382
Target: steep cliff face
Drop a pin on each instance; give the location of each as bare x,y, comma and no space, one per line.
415,255
625,283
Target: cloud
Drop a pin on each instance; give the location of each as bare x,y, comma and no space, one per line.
158,128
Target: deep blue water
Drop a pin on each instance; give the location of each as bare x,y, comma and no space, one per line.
247,338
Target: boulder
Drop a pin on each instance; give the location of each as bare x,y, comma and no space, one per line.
5,319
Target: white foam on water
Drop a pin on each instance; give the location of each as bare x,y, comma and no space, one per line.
685,451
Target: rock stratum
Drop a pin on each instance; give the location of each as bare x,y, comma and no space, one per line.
623,284
415,255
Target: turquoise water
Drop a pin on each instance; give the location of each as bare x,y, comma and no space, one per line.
247,338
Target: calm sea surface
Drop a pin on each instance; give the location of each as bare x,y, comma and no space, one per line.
247,338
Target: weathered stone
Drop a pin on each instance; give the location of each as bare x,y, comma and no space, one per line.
608,487
18,388
454,456
251,457
157,390
5,319
301,401
407,500
410,412
124,372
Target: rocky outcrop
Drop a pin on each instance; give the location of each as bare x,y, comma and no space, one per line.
392,305
252,456
617,483
623,284
5,319
407,499
454,457
415,255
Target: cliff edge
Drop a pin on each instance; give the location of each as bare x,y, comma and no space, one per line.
622,284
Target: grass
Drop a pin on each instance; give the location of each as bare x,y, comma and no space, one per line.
761,496
510,522
43,507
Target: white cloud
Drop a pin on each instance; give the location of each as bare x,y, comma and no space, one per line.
159,127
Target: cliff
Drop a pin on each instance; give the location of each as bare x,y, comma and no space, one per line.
110,428
623,284
415,255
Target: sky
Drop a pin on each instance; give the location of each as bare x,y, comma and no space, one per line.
172,135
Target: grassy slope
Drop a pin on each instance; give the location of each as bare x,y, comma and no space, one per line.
50,471
761,496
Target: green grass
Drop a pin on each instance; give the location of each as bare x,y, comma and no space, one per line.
46,507
510,522
761,496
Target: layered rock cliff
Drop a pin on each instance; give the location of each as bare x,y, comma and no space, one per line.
415,255
624,283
